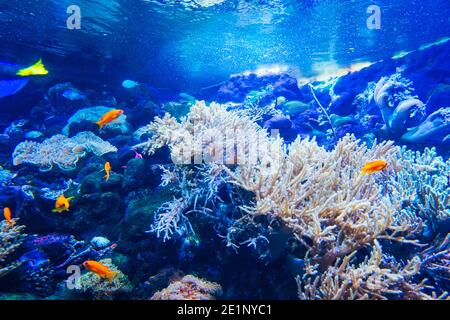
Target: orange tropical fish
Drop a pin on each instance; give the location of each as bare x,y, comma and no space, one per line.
99,269
8,216
373,166
109,117
62,204
107,170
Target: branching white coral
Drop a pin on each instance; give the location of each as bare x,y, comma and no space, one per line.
371,279
421,189
11,237
170,219
318,194
321,197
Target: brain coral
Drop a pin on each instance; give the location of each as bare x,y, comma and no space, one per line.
189,288
60,150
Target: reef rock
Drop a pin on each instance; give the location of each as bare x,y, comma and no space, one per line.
89,116
435,129
102,289
65,99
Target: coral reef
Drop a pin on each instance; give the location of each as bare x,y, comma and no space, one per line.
435,128
90,116
64,98
374,279
36,273
100,243
5,176
103,289
61,151
270,181
422,191
436,262
319,195
189,288
11,237
238,87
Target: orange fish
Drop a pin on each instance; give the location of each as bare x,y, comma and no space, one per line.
107,170
373,166
62,204
109,117
7,214
99,269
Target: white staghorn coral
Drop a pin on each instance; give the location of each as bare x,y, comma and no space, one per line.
11,237
207,135
319,195
170,219
421,189
371,279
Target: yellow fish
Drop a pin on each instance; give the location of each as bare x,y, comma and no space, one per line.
37,69
62,204
8,216
373,166
107,170
101,270
109,117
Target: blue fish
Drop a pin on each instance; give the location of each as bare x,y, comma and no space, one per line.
73,95
13,78
129,84
11,87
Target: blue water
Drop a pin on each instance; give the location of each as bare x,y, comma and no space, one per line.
306,69
185,47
